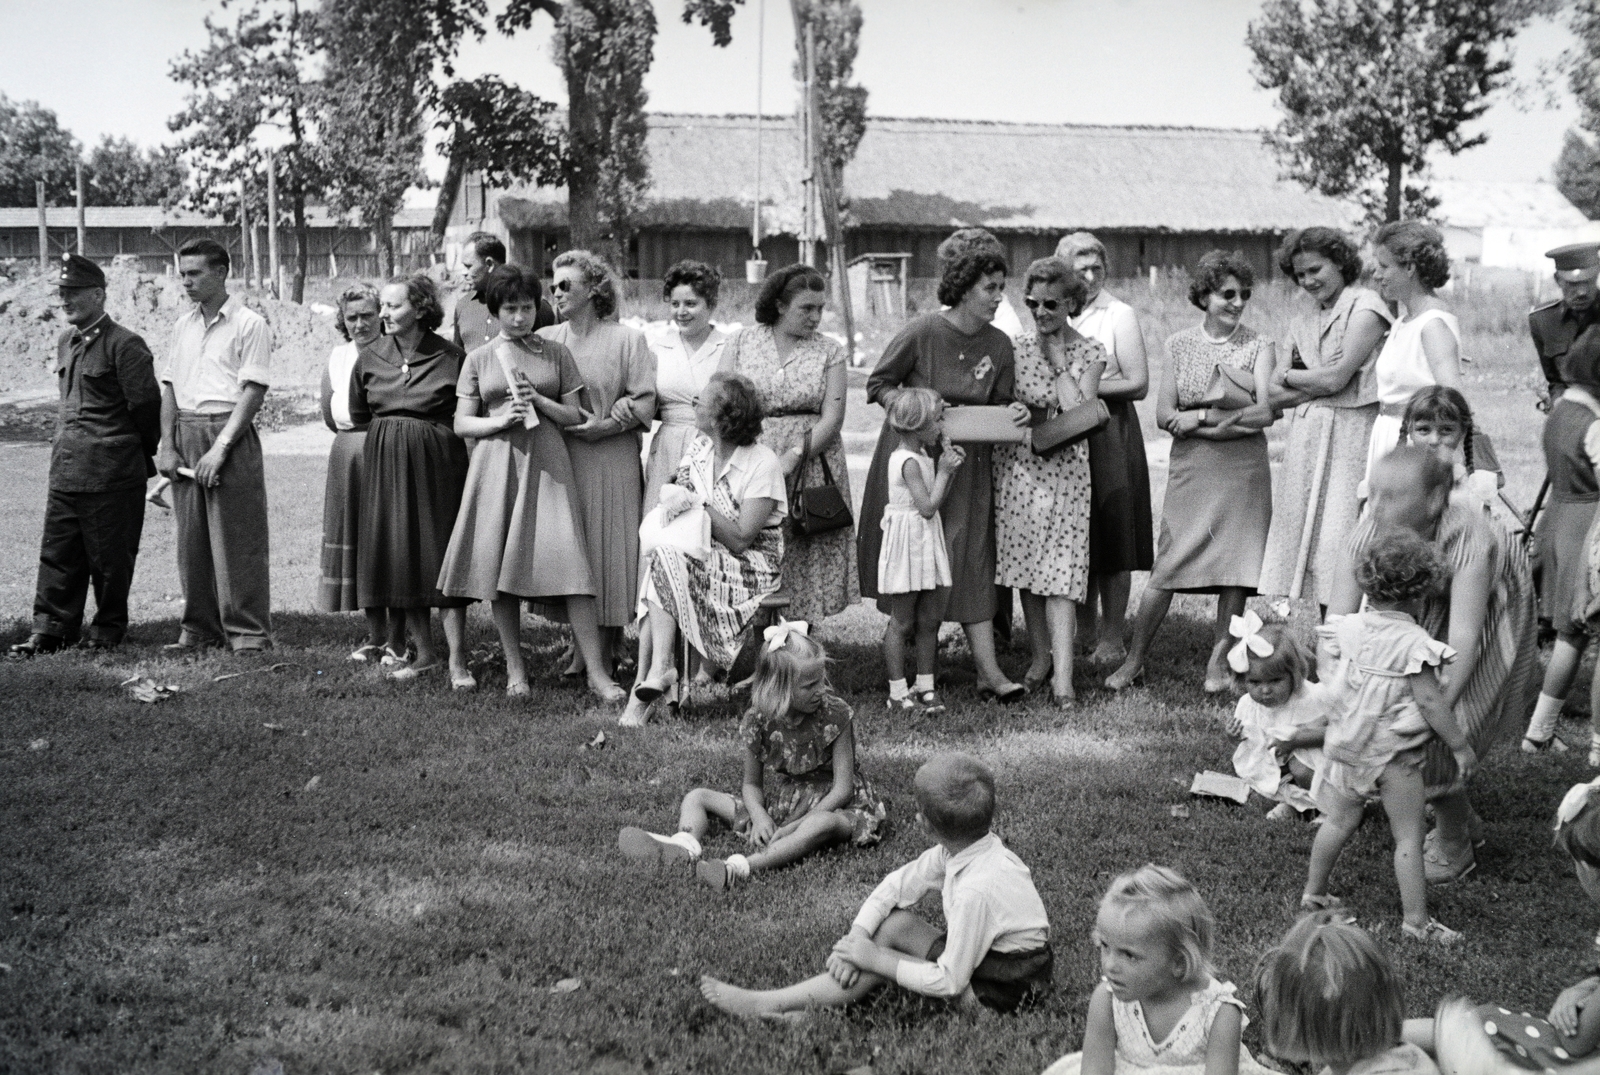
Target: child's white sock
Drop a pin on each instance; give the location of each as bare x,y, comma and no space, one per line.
738,867
1545,713
684,840
898,689
925,683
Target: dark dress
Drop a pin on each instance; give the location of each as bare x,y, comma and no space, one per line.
414,469
975,370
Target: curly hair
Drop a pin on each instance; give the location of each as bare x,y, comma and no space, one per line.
738,410
1172,909
596,277
780,289
963,274
1438,403
423,296
958,244
511,283
1399,566
1334,245
1214,269
1328,993
1419,247
706,280
1057,270
1081,242
915,409
353,293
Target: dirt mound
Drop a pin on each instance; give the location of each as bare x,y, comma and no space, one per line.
30,324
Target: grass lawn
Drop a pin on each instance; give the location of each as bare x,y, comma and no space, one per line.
317,867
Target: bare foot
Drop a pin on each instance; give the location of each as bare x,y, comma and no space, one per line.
745,1003
635,714
1125,676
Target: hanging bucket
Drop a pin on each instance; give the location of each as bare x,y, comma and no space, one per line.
755,270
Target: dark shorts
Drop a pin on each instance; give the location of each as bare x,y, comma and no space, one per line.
1004,981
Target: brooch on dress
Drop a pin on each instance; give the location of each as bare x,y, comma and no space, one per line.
981,370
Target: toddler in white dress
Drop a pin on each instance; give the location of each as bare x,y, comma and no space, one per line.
1281,719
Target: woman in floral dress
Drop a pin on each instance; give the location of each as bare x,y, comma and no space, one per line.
1042,503
800,376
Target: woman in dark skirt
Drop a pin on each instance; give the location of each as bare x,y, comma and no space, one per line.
960,355
1121,537
341,502
415,468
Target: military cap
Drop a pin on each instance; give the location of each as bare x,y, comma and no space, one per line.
1575,257
79,271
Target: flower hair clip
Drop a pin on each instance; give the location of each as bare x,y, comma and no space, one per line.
777,636
1247,629
1573,803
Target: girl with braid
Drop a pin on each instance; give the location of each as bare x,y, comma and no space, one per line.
1438,417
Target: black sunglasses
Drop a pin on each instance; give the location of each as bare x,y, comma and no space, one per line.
1048,304
1229,295
564,286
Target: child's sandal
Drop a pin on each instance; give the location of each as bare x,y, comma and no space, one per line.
929,701
1309,902
903,704
1435,932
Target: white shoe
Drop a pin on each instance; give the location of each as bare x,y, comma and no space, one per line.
1282,812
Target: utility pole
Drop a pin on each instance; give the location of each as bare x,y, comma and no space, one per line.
83,230
805,41
272,225
44,227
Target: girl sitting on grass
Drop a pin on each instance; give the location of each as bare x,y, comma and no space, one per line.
1386,704
1157,1007
1330,998
802,731
1490,1039
913,564
1280,721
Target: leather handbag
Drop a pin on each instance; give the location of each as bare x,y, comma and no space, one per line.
820,508
1230,387
1051,434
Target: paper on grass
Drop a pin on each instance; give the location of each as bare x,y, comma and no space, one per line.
1220,786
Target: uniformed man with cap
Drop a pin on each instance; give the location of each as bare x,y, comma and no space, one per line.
108,429
1556,325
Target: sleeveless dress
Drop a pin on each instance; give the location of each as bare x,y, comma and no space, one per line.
680,377
1218,507
1401,369
1336,428
913,557
1042,503
797,767
1183,1052
518,530
819,572
1500,691
1121,536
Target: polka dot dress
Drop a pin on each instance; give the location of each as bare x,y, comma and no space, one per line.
1525,1040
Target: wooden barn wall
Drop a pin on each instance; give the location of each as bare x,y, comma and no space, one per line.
341,251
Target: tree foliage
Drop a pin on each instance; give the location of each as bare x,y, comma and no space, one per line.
714,15
252,82
1577,169
604,49
34,146
118,172
1578,174
504,132
1369,88
841,105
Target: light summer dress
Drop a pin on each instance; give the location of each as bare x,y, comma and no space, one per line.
1183,1052
913,557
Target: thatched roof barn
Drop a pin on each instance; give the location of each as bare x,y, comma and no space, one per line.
1158,196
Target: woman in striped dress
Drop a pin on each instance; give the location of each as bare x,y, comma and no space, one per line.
1492,683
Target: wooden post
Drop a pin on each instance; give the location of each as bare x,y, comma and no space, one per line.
272,226
83,230
761,52
244,235
805,41
44,227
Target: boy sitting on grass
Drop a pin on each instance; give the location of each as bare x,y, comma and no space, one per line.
996,951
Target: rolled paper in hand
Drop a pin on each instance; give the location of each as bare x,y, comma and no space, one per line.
186,472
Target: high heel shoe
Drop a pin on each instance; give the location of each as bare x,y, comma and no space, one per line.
1011,692
1033,682
651,689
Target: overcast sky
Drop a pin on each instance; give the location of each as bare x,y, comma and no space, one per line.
102,66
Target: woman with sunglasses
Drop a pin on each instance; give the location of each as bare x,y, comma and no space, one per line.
1331,393
1424,346
1041,507
619,402
1219,484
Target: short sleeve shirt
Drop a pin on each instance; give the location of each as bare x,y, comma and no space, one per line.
210,363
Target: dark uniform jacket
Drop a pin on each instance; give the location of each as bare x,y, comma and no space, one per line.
110,418
1554,329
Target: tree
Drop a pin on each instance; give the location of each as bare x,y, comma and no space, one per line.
1577,169
1369,88
34,146
604,49
1578,173
252,80
379,57
841,105
504,132
118,172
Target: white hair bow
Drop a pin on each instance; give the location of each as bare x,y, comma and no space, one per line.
1573,802
1247,629
777,636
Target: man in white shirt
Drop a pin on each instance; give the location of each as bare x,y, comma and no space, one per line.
213,384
